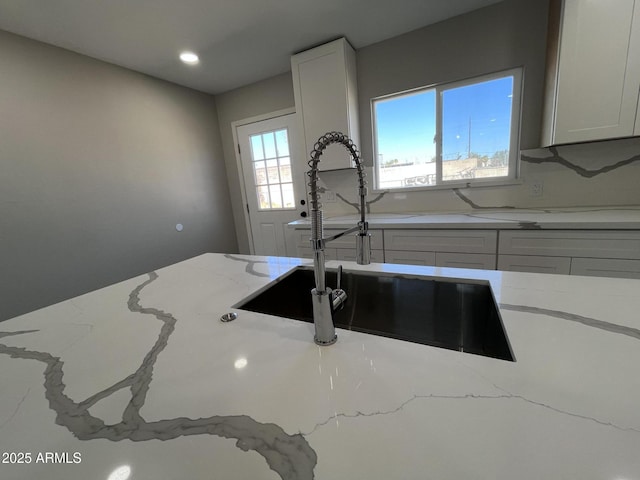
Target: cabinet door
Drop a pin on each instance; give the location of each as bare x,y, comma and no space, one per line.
605,267
598,71
349,240
349,254
410,258
307,252
454,241
466,260
324,87
571,243
304,252
534,264
302,237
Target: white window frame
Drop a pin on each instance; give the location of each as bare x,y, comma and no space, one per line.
514,137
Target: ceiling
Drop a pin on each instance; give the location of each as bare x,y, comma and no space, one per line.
239,41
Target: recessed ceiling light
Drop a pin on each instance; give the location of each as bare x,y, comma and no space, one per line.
189,58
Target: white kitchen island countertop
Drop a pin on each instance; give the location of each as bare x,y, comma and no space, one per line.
143,376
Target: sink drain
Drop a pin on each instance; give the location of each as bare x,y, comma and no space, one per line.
229,317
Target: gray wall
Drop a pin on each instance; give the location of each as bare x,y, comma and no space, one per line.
97,166
502,36
263,97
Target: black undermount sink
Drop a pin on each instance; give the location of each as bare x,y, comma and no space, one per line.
449,313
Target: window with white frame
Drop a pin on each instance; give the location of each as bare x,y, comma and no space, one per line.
272,170
450,134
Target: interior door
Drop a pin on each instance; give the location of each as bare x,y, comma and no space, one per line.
274,183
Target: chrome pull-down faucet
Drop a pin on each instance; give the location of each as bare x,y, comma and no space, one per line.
326,301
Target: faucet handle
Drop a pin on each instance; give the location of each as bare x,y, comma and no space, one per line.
338,296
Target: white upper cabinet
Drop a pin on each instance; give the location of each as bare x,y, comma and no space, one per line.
593,71
325,90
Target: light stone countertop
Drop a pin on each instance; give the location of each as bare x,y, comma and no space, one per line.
143,374
588,218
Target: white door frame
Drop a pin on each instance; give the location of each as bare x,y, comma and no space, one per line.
234,128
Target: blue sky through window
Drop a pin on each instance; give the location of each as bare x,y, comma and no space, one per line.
406,126
476,118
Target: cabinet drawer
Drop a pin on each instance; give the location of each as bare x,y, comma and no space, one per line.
605,267
460,241
565,243
349,240
466,260
301,238
534,264
307,252
377,256
410,258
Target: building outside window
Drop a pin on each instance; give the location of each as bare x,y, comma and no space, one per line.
450,134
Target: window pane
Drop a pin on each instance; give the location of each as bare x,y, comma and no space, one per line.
264,202
260,173
276,196
256,147
476,130
405,132
272,171
287,195
269,145
285,173
282,142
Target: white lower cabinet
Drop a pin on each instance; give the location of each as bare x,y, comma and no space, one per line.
343,248
482,261
442,248
349,254
442,259
534,264
302,237
410,258
571,243
605,267
453,241
307,252
603,253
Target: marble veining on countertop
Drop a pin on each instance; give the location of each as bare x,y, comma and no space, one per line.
142,375
609,218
